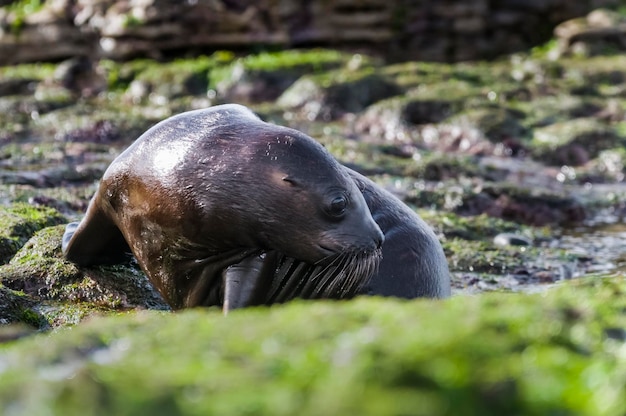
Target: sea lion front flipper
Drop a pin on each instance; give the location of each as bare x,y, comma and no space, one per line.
94,240
247,282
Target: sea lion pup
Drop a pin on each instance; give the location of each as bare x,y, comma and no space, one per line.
221,208
413,262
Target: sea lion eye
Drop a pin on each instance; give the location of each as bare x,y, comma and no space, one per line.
338,206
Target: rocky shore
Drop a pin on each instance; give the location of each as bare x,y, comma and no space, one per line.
518,164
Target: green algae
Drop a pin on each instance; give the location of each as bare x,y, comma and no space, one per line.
554,353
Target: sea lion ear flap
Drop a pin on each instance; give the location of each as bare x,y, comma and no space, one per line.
291,181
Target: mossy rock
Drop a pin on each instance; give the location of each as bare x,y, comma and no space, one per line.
40,271
496,123
438,166
536,206
481,256
477,227
609,166
14,307
558,352
19,222
174,79
574,142
330,95
545,110
265,76
384,122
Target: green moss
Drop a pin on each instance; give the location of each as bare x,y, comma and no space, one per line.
70,293
32,318
555,353
545,50
20,10
38,71
315,59
478,227
484,256
19,222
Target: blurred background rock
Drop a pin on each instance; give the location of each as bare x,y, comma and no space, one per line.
444,31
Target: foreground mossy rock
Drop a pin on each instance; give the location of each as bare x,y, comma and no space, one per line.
556,353
19,222
65,294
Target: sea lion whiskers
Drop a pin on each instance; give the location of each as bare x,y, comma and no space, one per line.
348,271
355,272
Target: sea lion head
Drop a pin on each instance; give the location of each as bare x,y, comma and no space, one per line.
322,212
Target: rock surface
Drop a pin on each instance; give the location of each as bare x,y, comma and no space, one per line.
417,29
528,147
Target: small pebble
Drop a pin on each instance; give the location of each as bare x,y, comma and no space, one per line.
509,239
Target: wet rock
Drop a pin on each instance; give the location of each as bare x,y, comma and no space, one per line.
574,142
19,86
458,139
162,83
601,31
14,308
81,76
499,125
330,96
427,111
534,207
609,166
441,167
383,121
102,131
264,77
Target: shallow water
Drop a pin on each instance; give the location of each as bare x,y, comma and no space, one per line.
604,244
